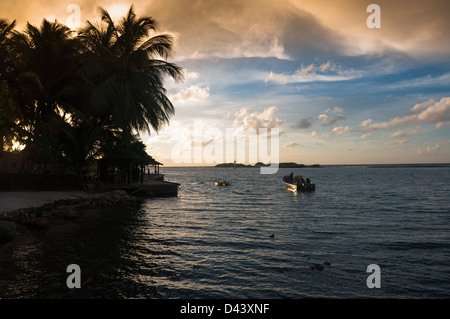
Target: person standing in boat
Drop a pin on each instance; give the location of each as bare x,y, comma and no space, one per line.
308,182
291,177
301,182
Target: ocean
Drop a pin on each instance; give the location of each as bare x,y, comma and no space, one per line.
253,239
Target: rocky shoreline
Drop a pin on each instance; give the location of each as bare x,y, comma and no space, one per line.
41,217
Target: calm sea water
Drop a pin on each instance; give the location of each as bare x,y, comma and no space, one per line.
215,242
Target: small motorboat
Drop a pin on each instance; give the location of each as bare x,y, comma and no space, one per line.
289,182
298,183
222,183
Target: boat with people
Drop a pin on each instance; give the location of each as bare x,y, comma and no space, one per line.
298,183
222,183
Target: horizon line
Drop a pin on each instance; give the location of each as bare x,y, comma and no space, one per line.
347,164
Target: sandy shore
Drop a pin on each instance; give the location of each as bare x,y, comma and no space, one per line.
10,201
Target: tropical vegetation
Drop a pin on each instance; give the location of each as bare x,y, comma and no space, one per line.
68,97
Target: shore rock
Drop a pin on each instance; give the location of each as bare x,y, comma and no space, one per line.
41,217
69,213
40,222
8,231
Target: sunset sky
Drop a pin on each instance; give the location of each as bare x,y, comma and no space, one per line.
339,91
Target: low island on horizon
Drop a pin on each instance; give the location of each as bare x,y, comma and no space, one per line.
260,164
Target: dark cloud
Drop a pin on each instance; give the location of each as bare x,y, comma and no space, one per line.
333,120
304,123
232,28
267,28
303,36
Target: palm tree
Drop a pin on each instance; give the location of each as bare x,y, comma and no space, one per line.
6,30
7,117
127,65
7,109
45,60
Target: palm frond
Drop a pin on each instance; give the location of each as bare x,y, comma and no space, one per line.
6,29
158,46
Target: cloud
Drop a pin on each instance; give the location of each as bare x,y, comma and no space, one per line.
442,124
420,107
429,81
400,133
256,120
430,150
340,130
291,145
366,122
267,28
396,144
304,123
428,112
327,71
230,29
333,120
203,28
338,109
191,76
308,122
192,93
417,29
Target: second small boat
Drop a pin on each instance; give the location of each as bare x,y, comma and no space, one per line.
222,183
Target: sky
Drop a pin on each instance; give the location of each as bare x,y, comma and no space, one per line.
337,89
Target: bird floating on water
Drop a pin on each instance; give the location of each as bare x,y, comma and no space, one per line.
316,267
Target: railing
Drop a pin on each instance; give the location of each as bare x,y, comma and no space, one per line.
10,182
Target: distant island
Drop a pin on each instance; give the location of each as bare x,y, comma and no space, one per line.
259,164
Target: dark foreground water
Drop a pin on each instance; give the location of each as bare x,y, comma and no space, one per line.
214,242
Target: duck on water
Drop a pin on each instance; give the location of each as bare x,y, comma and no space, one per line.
298,183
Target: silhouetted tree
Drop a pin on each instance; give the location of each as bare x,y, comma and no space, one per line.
70,97
126,65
